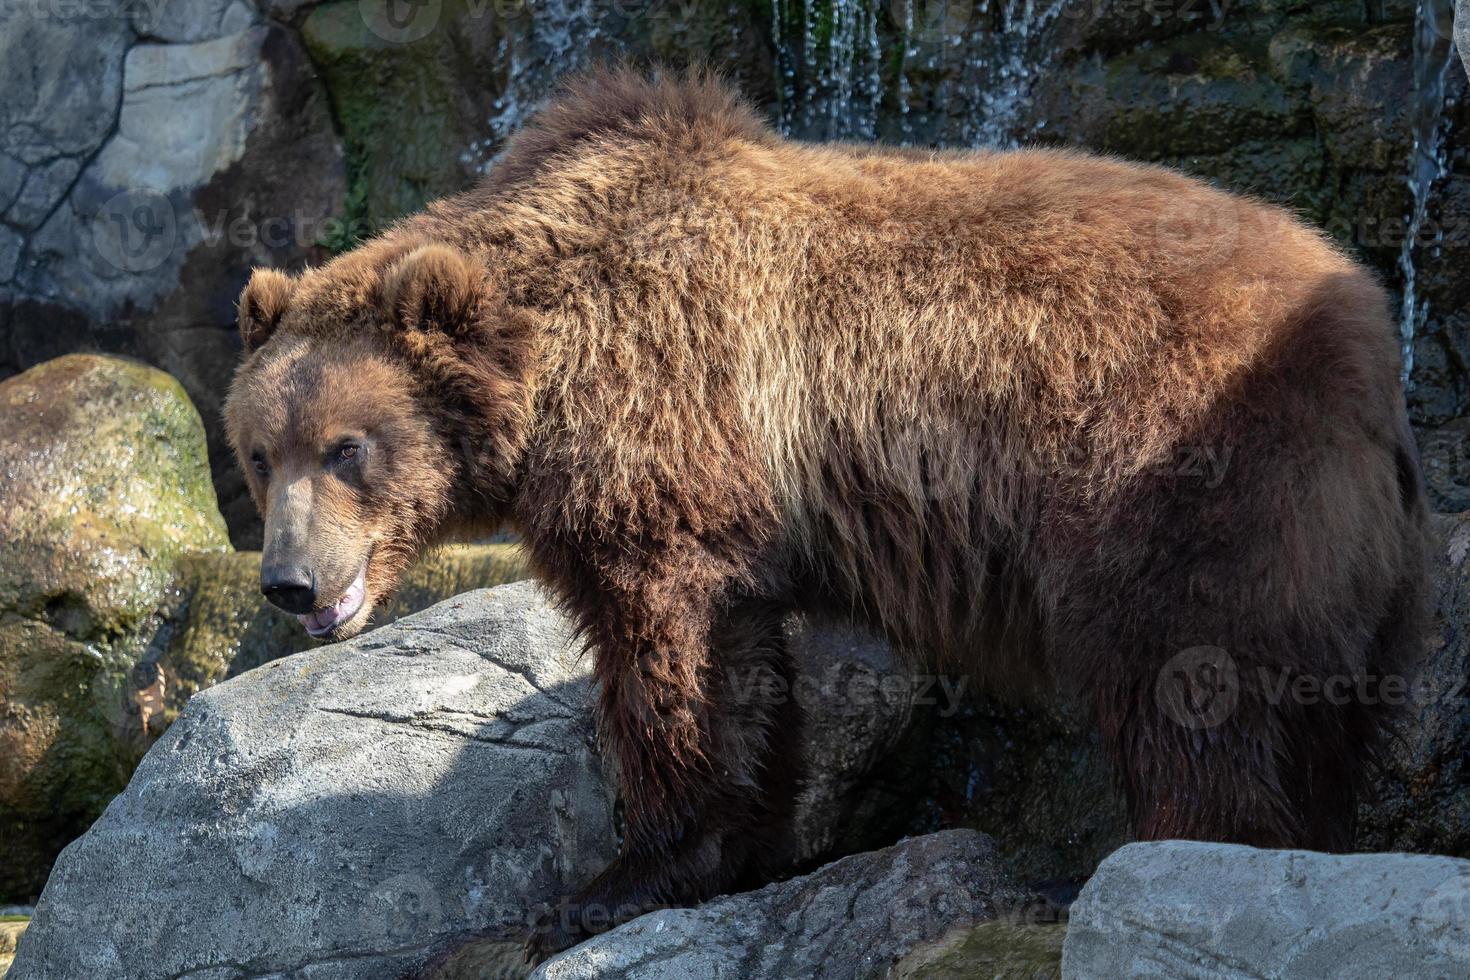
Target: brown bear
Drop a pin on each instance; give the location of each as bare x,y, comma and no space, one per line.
1030,414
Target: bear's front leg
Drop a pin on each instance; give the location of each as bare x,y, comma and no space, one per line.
695,706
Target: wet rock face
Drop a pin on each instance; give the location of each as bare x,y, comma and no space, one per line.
1317,106
372,800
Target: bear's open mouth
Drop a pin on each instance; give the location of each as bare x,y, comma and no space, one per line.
324,621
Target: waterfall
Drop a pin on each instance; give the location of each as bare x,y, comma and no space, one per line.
847,68
1015,64
1434,54
553,38
829,61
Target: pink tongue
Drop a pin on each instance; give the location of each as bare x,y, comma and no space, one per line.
324,619
318,621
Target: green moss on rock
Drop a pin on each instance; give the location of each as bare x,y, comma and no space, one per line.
999,949
415,116
394,105
106,485
106,490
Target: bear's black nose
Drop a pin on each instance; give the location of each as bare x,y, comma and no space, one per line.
289,588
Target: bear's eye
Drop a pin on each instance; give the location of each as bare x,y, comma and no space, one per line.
258,461
347,451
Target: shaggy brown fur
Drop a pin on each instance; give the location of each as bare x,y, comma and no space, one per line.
711,375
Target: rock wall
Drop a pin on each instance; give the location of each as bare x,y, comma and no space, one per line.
150,154
1462,30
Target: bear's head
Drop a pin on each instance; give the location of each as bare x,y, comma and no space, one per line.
382,406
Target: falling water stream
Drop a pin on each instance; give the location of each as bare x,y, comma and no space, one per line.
559,38
841,62
1428,159
829,59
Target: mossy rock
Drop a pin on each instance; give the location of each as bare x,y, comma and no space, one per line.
1000,949
106,490
398,108
106,485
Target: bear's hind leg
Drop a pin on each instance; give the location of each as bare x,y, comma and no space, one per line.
1217,746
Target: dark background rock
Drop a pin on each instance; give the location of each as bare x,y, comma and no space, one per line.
1462,30
1423,801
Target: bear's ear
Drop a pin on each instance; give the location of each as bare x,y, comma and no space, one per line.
262,303
434,287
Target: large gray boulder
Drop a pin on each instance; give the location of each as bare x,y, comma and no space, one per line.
354,810
1183,910
1462,30
857,917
